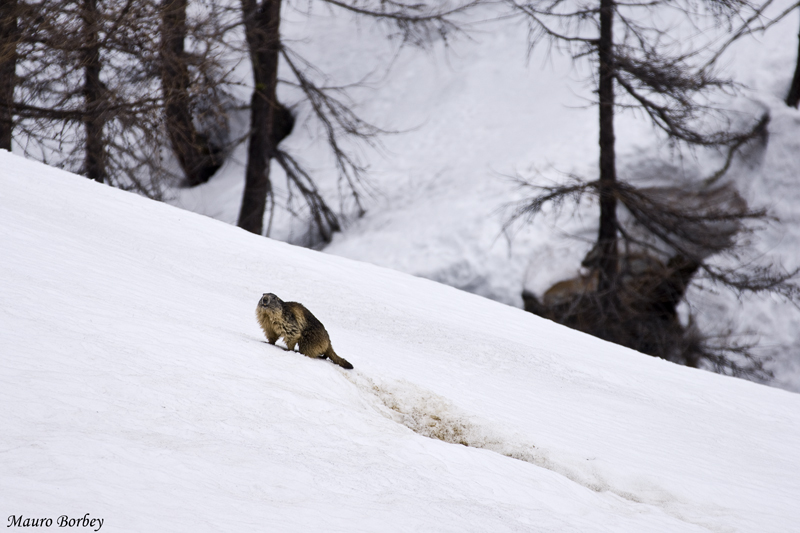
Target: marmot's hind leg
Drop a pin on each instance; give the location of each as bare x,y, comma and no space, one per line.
290,342
311,349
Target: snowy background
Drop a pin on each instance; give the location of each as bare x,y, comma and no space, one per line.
476,113
136,386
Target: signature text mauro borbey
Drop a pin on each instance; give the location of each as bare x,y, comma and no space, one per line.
61,521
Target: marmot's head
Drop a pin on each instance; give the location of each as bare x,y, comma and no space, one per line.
270,301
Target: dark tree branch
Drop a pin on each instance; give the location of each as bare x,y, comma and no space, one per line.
325,220
337,118
416,22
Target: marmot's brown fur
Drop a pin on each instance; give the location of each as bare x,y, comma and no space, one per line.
296,325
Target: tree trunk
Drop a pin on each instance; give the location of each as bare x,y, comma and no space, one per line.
95,160
262,30
607,234
794,91
9,37
195,155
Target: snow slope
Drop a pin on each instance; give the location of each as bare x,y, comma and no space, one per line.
136,386
483,110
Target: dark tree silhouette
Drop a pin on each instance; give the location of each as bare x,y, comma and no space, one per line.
607,232
630,297
199,158
416,23
793,98
262,30
83,95
93,89
9,39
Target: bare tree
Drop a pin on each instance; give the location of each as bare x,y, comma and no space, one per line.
86,91
640,65
669,235
417,24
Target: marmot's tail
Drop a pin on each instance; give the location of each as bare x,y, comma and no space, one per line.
336,359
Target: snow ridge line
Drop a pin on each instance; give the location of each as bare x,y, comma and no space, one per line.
435,417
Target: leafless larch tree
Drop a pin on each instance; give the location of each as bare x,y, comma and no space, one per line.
416,23
653,241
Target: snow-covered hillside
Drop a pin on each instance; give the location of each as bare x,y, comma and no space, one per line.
136,387
483,110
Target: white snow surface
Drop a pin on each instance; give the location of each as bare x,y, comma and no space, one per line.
135,385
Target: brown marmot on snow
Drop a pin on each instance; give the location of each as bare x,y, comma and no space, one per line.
296,325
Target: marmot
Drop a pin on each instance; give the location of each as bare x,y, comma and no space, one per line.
296,325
